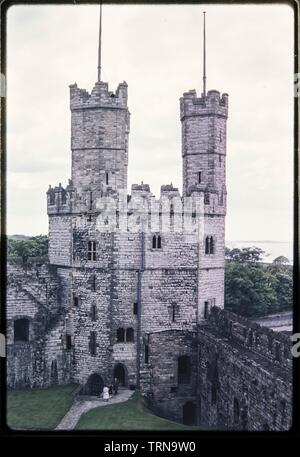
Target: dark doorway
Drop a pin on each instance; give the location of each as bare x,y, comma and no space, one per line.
120,374
21,330
189,413
94,385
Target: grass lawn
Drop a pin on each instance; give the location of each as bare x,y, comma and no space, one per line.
40,409
130,415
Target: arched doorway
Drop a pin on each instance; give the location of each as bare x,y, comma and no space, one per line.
120,374
189,413
94,385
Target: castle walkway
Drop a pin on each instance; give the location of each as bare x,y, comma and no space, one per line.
83,405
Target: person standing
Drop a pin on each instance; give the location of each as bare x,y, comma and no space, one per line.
105,393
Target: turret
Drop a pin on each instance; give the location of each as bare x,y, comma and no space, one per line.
99,137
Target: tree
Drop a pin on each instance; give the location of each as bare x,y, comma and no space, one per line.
281,260
253,288
248,290
249,255
35,246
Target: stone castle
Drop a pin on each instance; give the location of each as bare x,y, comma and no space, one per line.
133,286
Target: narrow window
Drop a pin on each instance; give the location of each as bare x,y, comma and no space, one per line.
89,218
199,177
93,343
184,370
68,342
173,313
159,242
21,330
207,245
212,245
236,411
93,312
120,335
63,197
93,282
193,214
154,242
146,353
106,178
92,250
91,200
135,308
171,209
206,309
206,198
129,335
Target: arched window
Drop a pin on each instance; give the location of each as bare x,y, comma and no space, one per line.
159,242
129,335
236,411
21,330
184,370
154,242
209,245
106,178
120,335
199,177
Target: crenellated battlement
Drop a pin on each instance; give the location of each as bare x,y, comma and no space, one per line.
100,96
210,104
60,199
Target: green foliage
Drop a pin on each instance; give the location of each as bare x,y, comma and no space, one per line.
254,289
281,260
35,246
38,409
249,255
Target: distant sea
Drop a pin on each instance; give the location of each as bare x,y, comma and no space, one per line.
272,249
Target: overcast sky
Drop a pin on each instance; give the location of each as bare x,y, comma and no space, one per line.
157,50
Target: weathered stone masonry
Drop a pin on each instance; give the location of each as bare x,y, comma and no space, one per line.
131,299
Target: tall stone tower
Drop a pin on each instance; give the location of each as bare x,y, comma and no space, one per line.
203,122
99,137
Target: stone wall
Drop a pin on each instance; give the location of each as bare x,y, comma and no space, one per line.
242,383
